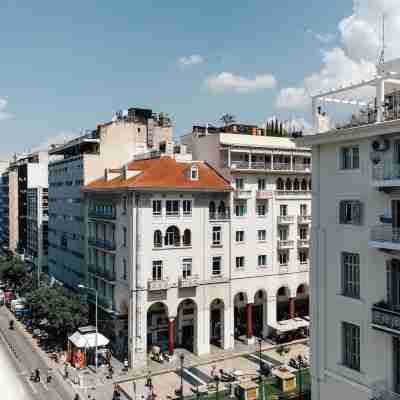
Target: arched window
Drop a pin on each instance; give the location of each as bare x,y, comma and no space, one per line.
187,237
157,239
296,184
304,184
282,292
221,208
301,290
309,185
211,208
172,237
288,184
279,184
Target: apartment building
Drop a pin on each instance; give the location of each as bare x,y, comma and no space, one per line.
271,215
355,274
37,229
81,161
157,254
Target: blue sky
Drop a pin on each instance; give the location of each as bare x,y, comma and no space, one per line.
67,66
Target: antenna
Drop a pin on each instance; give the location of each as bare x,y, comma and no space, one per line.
381,60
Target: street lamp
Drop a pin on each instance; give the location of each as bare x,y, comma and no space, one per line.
259,355
182,358
97,330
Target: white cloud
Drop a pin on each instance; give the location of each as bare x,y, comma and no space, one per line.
194,59
3,113
226,81
292,97
322,37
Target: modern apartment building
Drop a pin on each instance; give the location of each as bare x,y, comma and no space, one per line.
355,274
81,161
271,214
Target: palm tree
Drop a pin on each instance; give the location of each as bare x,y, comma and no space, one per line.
228,119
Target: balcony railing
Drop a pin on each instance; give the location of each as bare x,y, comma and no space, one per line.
157,285
302,243
304,219
102,215
385,233
189,281
386,171
215,216
285,219
386,317
264,194
242,194
283,268
301,167
240,164
304,266
103,244
293,192
260,165
281,166
285,244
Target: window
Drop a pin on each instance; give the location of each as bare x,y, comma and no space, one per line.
349,157
303,210
296,185
350,212
283,234
124,273
187,207
351,275
156,207
186,268
216,266
240,208
194,173
279,184
240,262
262,260
351,345
125,239
261,184
283,258
172,237
187,237
283,210
216,235
124,205
303,233
157,270
157,239
172,207
261,208
239,183
239,236
262,235
303,256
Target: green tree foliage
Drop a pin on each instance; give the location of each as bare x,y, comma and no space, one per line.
13,271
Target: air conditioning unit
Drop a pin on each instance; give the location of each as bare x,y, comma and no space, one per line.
380,145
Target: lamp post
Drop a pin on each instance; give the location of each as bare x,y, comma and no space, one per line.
259,355
217,387
182,358
97,330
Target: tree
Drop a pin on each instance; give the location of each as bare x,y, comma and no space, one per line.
228,119
13,271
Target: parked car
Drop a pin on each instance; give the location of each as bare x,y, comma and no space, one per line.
8,296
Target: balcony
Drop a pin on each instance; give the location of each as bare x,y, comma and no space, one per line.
291,193
304,219
303,243
162,284
240,165
264,194
220,216
285,219
281,166
386,174
189,281
301,167
242,194
283,268
386,318
385,237
102,244
285,244
304,266
97,214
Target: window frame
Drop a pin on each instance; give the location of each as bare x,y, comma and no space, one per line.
351,345
187,268
215,258
157,203
216,235
263,259
349,157
187,211
350,212
157,270
240,262
264,234
240,234
350,271
174,211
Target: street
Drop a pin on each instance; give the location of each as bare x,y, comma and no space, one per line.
16,368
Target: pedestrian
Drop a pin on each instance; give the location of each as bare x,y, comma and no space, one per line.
213,370
37,375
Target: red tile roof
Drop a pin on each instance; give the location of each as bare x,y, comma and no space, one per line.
164,173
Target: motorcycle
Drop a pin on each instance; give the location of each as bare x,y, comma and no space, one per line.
226,376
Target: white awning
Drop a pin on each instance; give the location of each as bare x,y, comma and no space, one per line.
88,340
289,325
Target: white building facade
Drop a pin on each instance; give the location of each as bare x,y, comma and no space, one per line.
355,272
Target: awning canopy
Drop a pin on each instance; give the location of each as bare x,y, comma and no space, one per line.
88,340
289,325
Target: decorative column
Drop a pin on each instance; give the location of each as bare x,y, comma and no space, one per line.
292,307
171,336
249,311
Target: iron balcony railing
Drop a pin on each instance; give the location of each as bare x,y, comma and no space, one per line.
157,285
224,215
285,244
242,194
386,170
189,281
303,243
281,166
386,317
285,219
385,233
304,219
103,244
